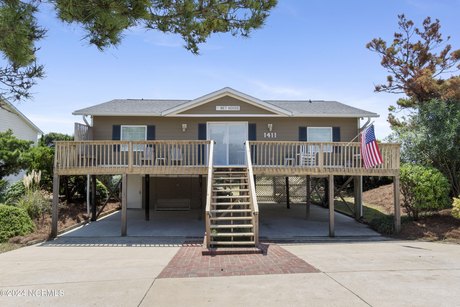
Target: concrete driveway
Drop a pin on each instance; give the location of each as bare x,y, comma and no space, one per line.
123,272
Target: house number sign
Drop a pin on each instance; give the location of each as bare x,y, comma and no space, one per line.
227,108
270,135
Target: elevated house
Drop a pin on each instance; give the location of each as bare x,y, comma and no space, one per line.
208,153
22,127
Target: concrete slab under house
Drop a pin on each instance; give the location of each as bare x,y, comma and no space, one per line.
227,159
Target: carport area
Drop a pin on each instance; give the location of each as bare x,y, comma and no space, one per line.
276,222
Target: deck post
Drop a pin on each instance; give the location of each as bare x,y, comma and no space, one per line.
331,206
93,198
358,193
54,221
200,182
326,192
124,204
308,200
288,202
147,196
397,207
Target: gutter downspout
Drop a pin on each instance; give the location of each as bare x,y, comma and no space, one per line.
87,176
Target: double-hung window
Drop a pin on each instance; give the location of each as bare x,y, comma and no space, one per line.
320,134
133,133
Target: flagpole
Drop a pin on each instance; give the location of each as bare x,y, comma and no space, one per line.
361,130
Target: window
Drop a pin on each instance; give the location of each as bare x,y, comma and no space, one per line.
133,133
320,134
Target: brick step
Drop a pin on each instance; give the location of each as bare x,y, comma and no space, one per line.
213,251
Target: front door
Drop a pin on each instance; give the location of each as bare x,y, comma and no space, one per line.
229,138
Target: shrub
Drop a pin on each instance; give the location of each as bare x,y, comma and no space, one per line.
14,192
456,208
3,188
424,189
101,190
34,203
14,222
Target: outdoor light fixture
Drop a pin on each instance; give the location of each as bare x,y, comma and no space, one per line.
184,127
270,127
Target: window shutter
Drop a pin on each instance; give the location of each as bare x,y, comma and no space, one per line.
202,131
335,134
252,132
302,134
201,136
336,138
116,132
150,132
116,136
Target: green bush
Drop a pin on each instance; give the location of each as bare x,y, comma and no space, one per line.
383,224
34,203
3,188
14,222
14,192
424,189
456,208
101,190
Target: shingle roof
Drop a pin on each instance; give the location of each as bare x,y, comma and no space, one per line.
321,108
155,107
134,107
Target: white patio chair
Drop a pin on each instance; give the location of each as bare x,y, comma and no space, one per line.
307,155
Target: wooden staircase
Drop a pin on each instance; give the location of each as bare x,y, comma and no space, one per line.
231,218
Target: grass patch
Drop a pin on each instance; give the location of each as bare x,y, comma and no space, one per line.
373,215
6,247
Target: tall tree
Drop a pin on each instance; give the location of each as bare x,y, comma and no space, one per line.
417,61
104,22
12,153
18,34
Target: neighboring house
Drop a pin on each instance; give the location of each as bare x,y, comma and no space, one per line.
22,127
164,148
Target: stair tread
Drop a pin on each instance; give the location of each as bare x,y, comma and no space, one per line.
245,203
230,184
233,190
233,242
230,196
230,210
230,218
232,234
229,178
232,226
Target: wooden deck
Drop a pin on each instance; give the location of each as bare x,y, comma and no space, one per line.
191,158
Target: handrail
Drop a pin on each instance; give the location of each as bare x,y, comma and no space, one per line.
252,194
320,157
209,193
130,156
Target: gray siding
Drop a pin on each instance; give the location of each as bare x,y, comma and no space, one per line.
286,128
210,107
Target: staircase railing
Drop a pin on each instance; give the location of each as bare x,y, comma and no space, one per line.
209,194
252,194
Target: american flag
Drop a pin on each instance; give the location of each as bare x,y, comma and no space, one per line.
369,149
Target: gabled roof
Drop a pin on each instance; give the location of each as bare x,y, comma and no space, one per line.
226,91
10,107
171,108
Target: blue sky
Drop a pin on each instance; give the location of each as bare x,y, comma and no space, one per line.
311,49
